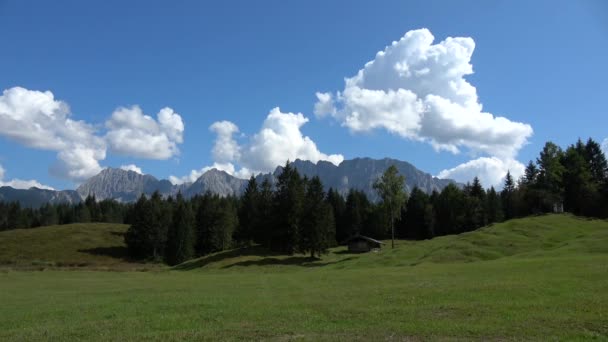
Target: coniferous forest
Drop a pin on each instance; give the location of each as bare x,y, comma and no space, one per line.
296,215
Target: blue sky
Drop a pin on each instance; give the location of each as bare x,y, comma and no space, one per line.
539,64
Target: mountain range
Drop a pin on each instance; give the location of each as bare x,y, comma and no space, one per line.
127,186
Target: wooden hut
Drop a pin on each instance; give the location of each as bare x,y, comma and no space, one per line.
362,244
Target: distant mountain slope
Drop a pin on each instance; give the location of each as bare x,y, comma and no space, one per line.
217,182
361,173
124,186
128,186
34,197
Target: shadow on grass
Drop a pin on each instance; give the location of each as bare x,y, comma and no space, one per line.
118,252
269,258
346,251
234,253
291,261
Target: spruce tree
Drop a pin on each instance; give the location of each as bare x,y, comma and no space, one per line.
180,239
248,213
288,203
318,228
507,195
356,213
338,205
418,217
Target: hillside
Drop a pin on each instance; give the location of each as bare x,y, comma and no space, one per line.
101,245
541,236
80,245
538,278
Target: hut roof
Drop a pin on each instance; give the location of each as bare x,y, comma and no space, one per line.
361,237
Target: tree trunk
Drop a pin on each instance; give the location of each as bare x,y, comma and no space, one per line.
392,232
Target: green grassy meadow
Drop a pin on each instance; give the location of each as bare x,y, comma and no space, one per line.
538,278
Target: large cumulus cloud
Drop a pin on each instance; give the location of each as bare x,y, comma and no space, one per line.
36,119
279,139
416,89
132,133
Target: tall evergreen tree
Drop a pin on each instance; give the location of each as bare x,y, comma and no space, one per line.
288,204
356,213
338,205
318,227
507,196
418,219
262,231
551,172
493,206
180,236
248,213
580,192
450,211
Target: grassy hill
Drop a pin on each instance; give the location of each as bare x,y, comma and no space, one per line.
538,278
81,245
540,236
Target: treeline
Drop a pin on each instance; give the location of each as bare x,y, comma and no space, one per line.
576,178
14,216
294,216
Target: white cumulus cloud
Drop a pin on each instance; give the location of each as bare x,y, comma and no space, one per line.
490,171
605,147
132,167
416,89
132,133
20,183
35,119
279,139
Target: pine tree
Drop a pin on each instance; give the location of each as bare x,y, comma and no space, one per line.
507,195
450,211
551,172
180,239
318,228
493,206
288,203
580,192
475,215
262,231
136,237
248,214
161,213
356,213
418,217
216,221
338,205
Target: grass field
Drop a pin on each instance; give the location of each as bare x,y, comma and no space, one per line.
539,278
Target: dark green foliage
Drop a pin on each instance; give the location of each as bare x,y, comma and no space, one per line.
417,220
338,205
356,213
493,207
248,213
317,232
262,230
180,237
216,221
507,196
391,190
450,210
288,206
